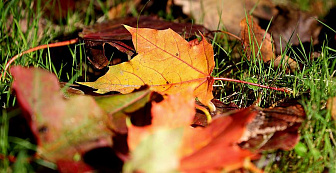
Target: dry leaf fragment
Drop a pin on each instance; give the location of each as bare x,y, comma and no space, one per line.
166,62
285,62
256,42
331,104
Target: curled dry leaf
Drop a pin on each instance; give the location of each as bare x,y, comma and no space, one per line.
275,128
166,62
62,127
256,42
271,129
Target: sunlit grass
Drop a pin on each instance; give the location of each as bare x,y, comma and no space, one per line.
21,30
312,85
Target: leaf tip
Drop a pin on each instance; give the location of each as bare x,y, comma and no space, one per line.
128,27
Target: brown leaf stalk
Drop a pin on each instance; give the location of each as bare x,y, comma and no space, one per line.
254,84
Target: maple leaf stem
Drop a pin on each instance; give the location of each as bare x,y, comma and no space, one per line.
254,84
205,111
58,44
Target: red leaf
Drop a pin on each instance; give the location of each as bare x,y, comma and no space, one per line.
201,149
65,166
216,145
62,127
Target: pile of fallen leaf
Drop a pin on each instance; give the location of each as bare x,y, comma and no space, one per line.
154,124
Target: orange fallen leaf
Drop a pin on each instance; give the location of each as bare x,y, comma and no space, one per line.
173,112
199,149
216,146
255,40
166,62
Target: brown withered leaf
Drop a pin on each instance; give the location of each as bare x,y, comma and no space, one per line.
262,9
331,104
285,62
219,14
275,128
255,40
101,38
201,120
122,9
57,9
291,24
272,128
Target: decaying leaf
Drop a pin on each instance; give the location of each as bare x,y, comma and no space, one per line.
271,129
219,14
166,62
275,128
195,149
62,127
290,24
256,42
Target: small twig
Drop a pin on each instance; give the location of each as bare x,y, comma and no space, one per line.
58,44
254,84
228,33
206,112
